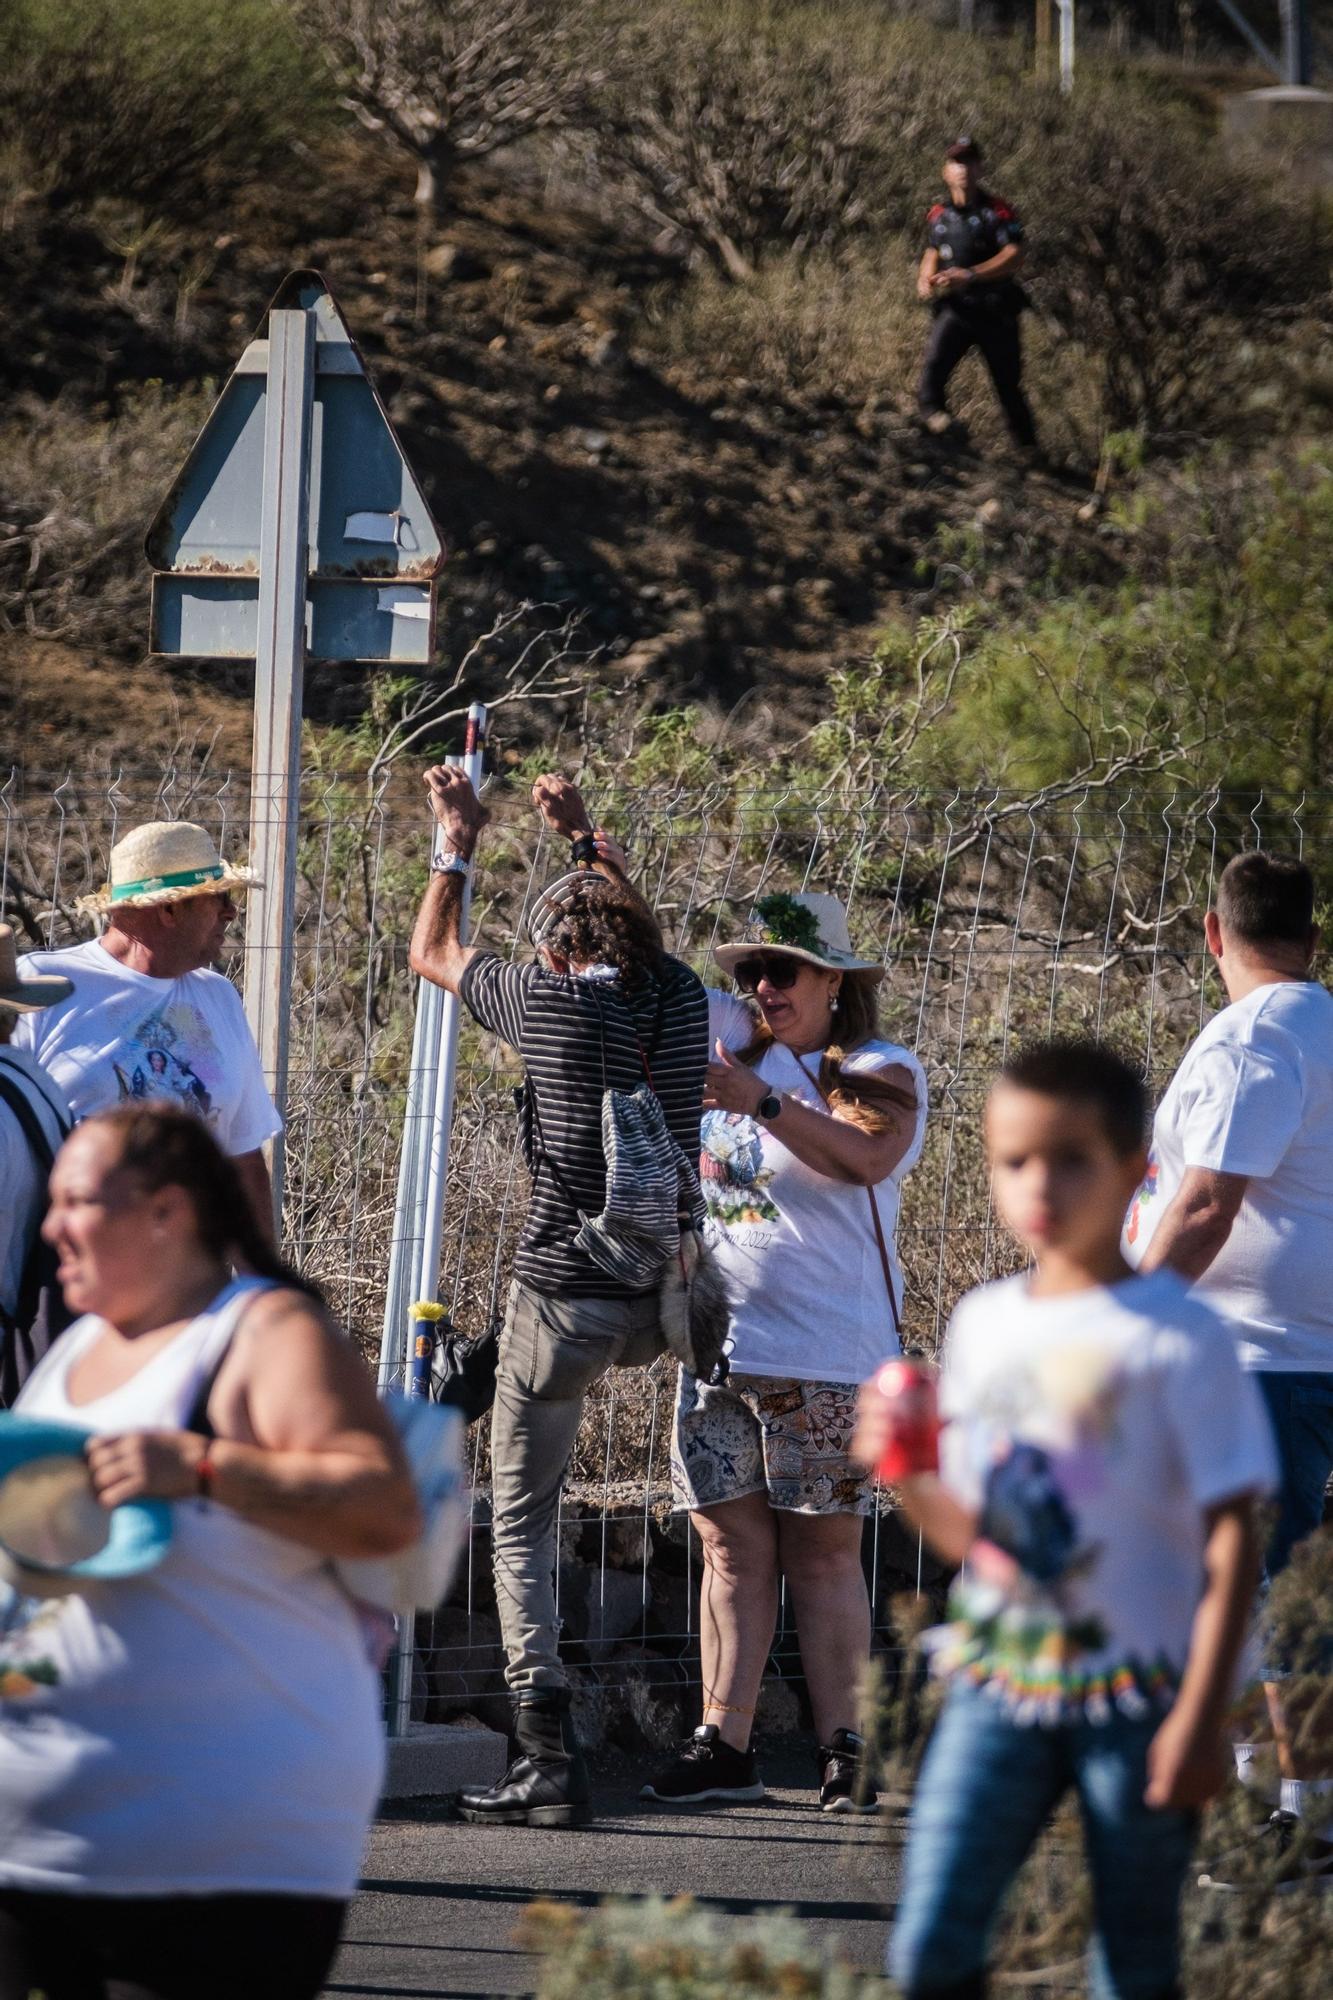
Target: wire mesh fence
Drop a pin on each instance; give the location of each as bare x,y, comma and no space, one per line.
997,919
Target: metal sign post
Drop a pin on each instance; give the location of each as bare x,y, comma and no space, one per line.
275,778
295,530
1297,42
1066,12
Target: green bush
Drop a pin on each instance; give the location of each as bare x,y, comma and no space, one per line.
1215,674
162,102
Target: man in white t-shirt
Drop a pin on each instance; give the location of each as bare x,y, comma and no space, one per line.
149,1017
1239,1198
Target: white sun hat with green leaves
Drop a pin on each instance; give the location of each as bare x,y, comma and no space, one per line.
808,926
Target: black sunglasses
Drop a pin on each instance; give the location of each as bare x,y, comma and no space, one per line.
778,969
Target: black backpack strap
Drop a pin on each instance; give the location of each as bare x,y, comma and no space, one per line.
29,1123
56,1105
40,1314
541,1153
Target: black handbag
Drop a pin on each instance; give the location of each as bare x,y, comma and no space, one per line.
462,1371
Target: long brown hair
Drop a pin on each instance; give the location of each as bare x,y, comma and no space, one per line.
864,1099
163,1145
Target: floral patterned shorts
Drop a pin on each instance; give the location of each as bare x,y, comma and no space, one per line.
766,1434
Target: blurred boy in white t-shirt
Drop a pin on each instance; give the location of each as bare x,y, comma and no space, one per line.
1100,1457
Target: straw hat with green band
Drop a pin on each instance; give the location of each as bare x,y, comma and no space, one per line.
808,926
165,862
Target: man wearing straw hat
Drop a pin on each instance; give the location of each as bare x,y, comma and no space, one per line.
34,1120
149,1016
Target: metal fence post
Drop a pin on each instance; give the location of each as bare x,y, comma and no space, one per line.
419,1208
279,681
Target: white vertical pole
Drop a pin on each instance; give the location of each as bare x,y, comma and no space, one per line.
275,794
421,1185
1066,8
437,1157
405,1248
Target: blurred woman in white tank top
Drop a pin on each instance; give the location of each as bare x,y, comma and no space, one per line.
187,1777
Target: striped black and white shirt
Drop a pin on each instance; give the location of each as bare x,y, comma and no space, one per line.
576,1037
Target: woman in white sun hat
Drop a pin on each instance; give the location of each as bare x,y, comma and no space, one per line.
149,1016
810,1123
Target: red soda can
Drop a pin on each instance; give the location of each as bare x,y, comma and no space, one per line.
915,1444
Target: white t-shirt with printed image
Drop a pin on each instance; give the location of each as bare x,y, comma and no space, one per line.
1090,1431
123,1036
1254,1096
797,1248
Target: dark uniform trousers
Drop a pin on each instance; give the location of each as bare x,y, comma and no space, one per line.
955,331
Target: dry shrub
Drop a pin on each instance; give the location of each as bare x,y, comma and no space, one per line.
850,325
451,82
844,325
76,495
721,137
655,1949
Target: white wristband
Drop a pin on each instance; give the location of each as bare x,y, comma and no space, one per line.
450,863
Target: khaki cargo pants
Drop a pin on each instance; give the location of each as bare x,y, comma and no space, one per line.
551,1352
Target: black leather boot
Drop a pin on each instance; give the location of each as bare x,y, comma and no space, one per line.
547,1781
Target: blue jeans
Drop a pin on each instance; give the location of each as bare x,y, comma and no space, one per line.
1300,1409
987,1789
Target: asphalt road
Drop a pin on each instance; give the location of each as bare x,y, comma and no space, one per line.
439,1901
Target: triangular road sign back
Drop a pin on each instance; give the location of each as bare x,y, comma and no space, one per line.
375,548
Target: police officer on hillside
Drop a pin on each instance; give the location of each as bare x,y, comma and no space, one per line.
968,275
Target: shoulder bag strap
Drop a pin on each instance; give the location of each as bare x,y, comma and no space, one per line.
197,1418
544,1155
880,1243
644,1063
691,1195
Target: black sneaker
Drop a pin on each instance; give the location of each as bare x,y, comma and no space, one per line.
844,1785
706,1768
1282,1856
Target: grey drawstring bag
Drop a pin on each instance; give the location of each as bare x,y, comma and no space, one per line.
650,1231
647,1178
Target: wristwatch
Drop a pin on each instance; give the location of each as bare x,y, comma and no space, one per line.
450,862
768,1107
